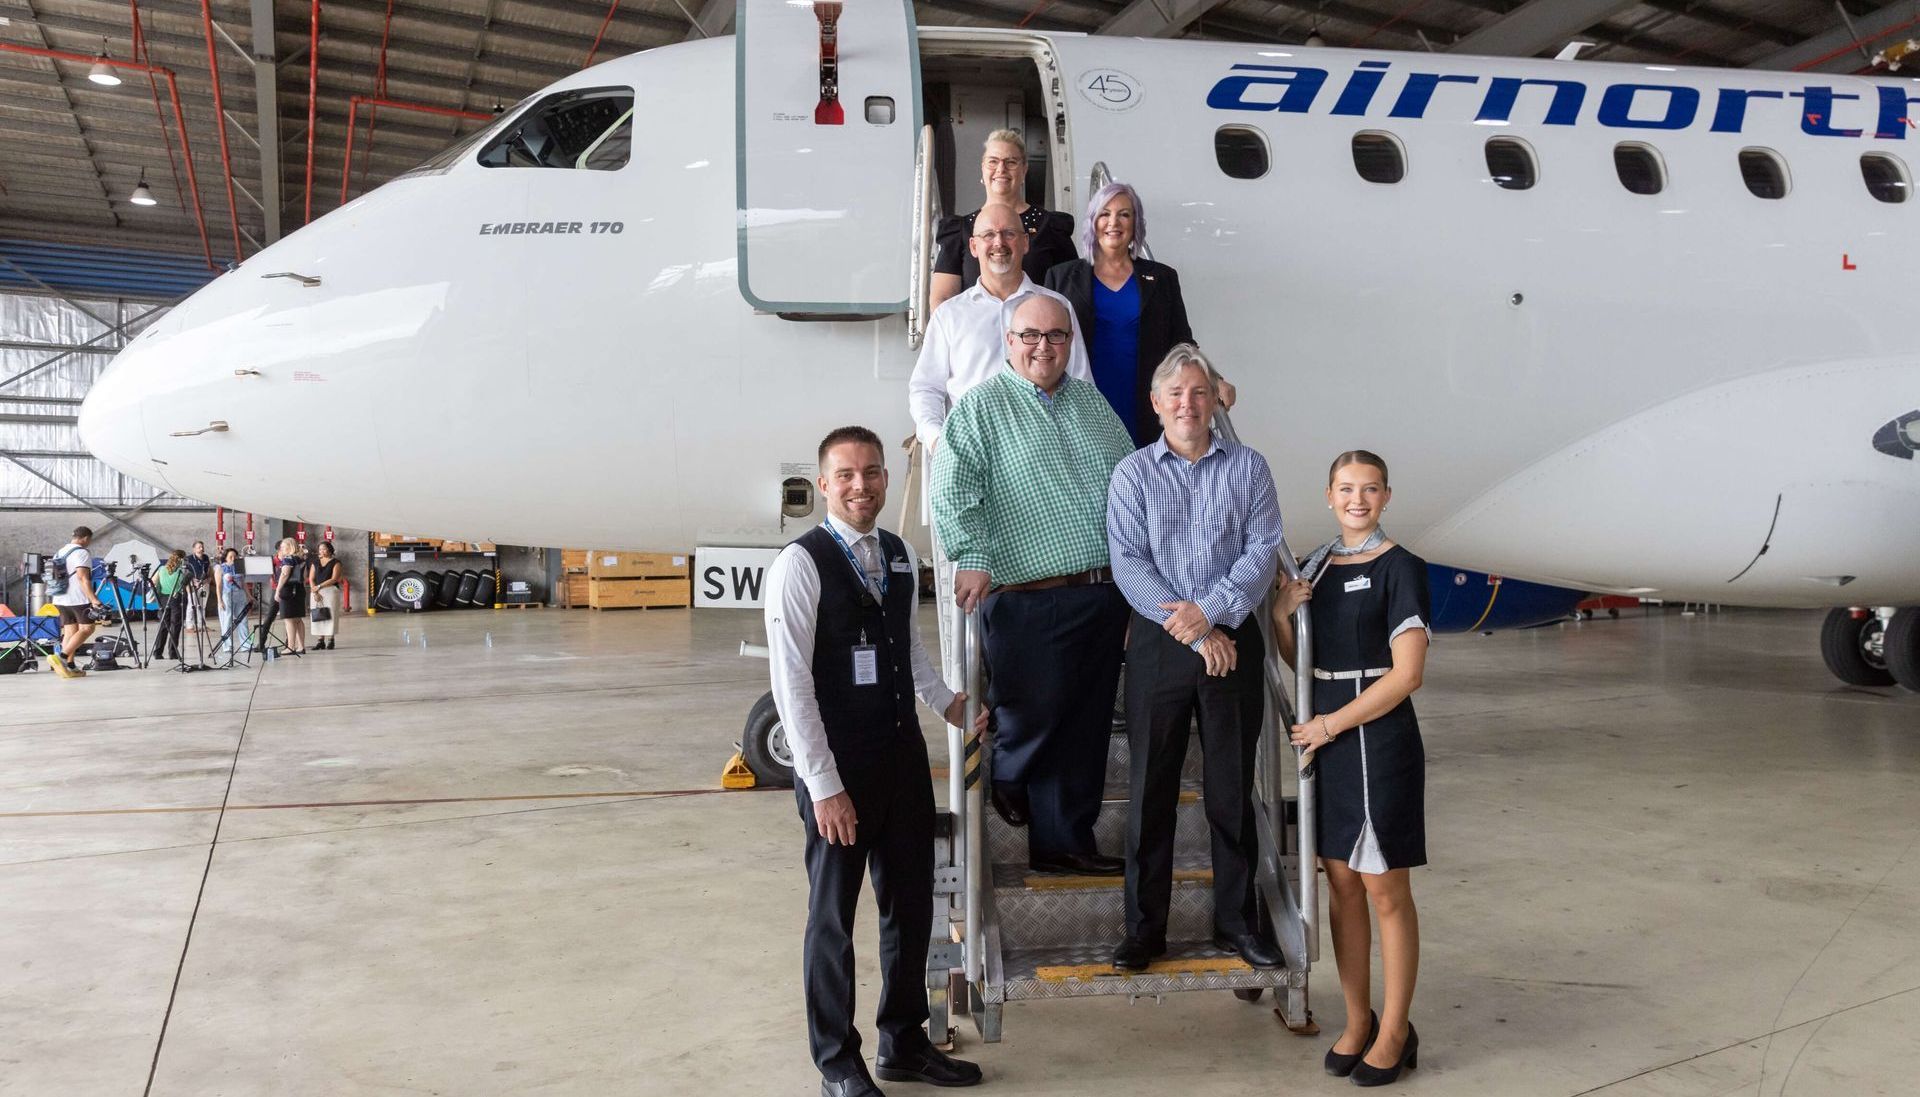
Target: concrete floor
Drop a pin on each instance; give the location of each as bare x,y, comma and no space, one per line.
1671,857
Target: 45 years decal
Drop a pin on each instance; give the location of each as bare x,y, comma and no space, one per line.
1110,89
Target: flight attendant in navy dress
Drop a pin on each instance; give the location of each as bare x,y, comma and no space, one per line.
1370,610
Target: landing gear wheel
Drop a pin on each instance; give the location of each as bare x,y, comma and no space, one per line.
1250,994
1856,648
1900,647
764,745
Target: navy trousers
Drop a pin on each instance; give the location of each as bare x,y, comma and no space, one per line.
893,843
1055,660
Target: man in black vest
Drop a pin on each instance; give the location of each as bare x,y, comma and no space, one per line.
847,664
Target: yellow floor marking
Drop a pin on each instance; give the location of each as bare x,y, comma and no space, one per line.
1199,965
1067,883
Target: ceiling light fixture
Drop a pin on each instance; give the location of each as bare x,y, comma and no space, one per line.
142,195
102,72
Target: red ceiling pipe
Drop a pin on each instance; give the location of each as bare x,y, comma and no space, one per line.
220,124
379,87
604,23
1851,46
141,52
353,122
313,98
179,118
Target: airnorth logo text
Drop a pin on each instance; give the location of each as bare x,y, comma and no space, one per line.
1295,89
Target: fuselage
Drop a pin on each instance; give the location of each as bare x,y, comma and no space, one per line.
1574,383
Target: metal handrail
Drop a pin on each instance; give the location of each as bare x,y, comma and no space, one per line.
973,819
1276,730
920,274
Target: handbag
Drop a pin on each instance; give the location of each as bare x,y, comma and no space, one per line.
322,613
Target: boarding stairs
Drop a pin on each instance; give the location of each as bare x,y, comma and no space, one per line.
1012,935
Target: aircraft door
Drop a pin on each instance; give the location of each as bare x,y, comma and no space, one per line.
828,112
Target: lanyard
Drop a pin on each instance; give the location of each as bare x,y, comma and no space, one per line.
855,563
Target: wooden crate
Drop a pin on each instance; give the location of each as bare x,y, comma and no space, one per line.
602,564
573,559
639,593
573,590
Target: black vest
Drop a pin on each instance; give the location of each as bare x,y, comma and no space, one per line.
863,718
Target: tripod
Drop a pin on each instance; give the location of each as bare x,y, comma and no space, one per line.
268,639
135,651
188,596
235,619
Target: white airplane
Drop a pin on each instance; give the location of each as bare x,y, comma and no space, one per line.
1620,328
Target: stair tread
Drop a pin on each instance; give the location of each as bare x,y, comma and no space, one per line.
1087,970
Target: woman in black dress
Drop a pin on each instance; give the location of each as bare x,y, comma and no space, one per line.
1003,171
1370,607
290,590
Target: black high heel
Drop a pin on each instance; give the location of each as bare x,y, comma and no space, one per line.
1340,1065
1366,1074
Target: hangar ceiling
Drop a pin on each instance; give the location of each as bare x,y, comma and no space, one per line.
73,151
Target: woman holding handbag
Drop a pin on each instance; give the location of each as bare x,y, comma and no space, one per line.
328,581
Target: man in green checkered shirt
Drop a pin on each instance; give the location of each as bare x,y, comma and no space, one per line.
1020,503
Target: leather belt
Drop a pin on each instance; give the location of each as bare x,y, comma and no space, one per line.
1087,578
1349,675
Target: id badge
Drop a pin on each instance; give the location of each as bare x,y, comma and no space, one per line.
1362,583
866,665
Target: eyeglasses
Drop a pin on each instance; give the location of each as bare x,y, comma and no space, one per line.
1032,336
1004,234
992,162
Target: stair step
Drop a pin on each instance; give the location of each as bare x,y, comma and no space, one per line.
1087,971
1056,912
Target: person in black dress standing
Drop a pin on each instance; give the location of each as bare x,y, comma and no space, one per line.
290,591
1370,610
1003,169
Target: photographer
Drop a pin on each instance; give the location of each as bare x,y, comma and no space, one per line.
170,584
80,608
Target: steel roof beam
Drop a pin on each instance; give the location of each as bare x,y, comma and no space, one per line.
1157,18
715,19
266,101
1837,50
1539,25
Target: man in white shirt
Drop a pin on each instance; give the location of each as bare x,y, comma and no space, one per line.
847,663
77,603
966,339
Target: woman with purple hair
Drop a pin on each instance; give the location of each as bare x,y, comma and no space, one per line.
1129,308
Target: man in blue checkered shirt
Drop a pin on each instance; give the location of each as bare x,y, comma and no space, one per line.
1193,529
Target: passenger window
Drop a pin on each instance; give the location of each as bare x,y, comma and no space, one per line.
1510,163
1885,175
1765,173
1639,168
1378,157
589,130
1241,152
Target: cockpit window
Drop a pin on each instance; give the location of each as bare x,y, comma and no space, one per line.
590,129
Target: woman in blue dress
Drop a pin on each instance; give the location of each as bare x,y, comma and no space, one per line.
1370,606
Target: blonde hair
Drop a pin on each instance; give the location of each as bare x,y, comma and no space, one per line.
1359,457
1007,137
285,547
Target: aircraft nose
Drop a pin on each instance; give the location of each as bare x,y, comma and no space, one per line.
111,426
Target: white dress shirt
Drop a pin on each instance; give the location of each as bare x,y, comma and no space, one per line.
965,343
793,602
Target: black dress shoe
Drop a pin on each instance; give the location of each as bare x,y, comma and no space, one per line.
1252,948
931,1066
1340,1065
1366,1074
1135,953
1076,864
856,1086
1011,802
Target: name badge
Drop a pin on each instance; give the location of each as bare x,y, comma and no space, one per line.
866,665
901,566
1362,583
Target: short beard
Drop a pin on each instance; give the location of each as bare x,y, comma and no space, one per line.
1002,266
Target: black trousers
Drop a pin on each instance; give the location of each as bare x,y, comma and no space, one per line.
893,842
1167,684
173,615
1055,660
